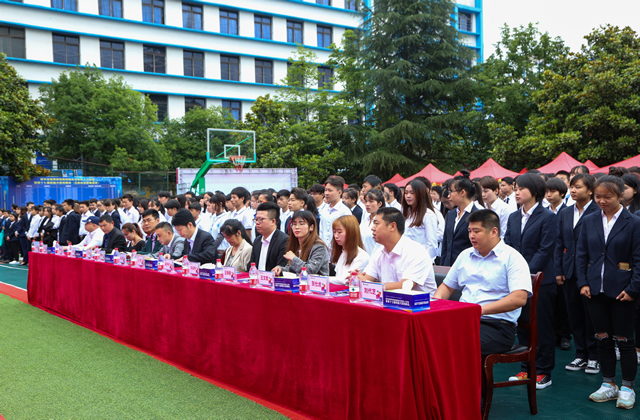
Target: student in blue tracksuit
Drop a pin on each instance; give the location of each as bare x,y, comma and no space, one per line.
533,231
570,223
608,266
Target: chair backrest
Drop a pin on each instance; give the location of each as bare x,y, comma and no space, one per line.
532,324
441,272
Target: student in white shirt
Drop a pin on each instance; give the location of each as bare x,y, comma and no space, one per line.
84,215
436,197
157,206
422,221
490,188
239,198
400,259
95,235
219,215
35,223
556,191
347,251
283,203
336,208
203,223
506,190
131,214
394,193
369,182
374,201
317,192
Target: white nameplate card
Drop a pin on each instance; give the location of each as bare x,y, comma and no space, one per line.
229,274
265,279
319,285
194,269
168,266
372,292
139,261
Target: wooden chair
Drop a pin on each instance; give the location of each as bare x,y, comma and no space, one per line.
518,353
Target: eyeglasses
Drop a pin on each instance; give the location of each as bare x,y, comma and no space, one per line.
259,220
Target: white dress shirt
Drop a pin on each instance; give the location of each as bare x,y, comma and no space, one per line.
217,220
34,225
510,200
459,216
56,221
83,221
576,213
408,260
203,223
395,204
131,216
283,218
488,279
264,252
343,270
92,239
607,225
244,216
503,211
370,245
192,240
328,215
427,234
526,216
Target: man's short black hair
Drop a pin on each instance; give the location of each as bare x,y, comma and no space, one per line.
69,202
209,193
350,193
534,183
425,181
487,218
166,226
372,180
151,212
562,172
284,193
182,218
299,194
317,188
355,187
164,194
508,180
86,203
271,208
556,184
172,204
241,192
393,215
393,188
588,181
195,206
105,218
191,193
128,197
336,181
59,208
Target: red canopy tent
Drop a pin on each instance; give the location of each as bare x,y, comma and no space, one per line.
491,168
634,161
395,179
523,171
593,168
563,162
432,173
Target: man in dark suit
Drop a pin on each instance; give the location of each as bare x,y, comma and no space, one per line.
69,224
113,238
199,246
150,219
570,224
270,243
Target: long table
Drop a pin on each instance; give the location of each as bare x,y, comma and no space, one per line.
325,358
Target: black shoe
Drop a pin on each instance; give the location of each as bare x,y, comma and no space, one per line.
543,381
565,344
576,365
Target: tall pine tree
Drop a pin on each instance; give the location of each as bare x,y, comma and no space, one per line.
412,55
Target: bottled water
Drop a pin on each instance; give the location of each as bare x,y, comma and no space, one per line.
304,281
161,262
354,288
253,275
116,257
185,266
218,276
133,258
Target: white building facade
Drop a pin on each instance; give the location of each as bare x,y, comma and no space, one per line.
184,53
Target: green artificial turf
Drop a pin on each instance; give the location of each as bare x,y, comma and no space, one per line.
52,368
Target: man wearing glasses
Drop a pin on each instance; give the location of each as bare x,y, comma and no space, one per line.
150,219
270,243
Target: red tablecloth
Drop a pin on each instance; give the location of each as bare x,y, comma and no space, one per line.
326,358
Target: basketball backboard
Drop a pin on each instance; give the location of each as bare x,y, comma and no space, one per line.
223,143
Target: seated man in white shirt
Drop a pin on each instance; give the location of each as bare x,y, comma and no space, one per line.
493,275
490,190
95,235
400,259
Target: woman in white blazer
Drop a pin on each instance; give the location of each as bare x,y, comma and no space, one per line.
238,254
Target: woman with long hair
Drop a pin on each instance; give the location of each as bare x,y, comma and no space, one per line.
305,248
238,254
373,201
630,196
133,234
347,250
421,220
157,206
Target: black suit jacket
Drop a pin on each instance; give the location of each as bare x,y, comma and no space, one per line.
565,252
117,222
537,242
455,240
204,250
357,211
275,254
116,240
72,228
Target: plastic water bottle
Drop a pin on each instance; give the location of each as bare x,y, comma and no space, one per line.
161,262
116,257
253,275
133,258
185,266
304,281
218,276
56,247
34,246
354,288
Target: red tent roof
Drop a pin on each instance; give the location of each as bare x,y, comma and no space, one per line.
432,173
634,161
593,168
491,168
563,162
395,179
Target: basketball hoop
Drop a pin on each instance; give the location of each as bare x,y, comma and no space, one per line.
238,162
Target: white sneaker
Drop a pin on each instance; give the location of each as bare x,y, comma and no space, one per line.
593,367
14,263
626,398
606,392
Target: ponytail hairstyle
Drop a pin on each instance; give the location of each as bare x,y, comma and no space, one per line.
472,188
423,203
375,194
232,226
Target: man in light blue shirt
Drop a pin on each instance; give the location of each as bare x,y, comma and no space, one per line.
494,276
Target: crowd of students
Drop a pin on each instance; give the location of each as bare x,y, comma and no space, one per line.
493,233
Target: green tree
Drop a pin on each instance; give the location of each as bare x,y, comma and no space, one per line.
185,138
507,81
102,121
413,59
21,120
589,106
